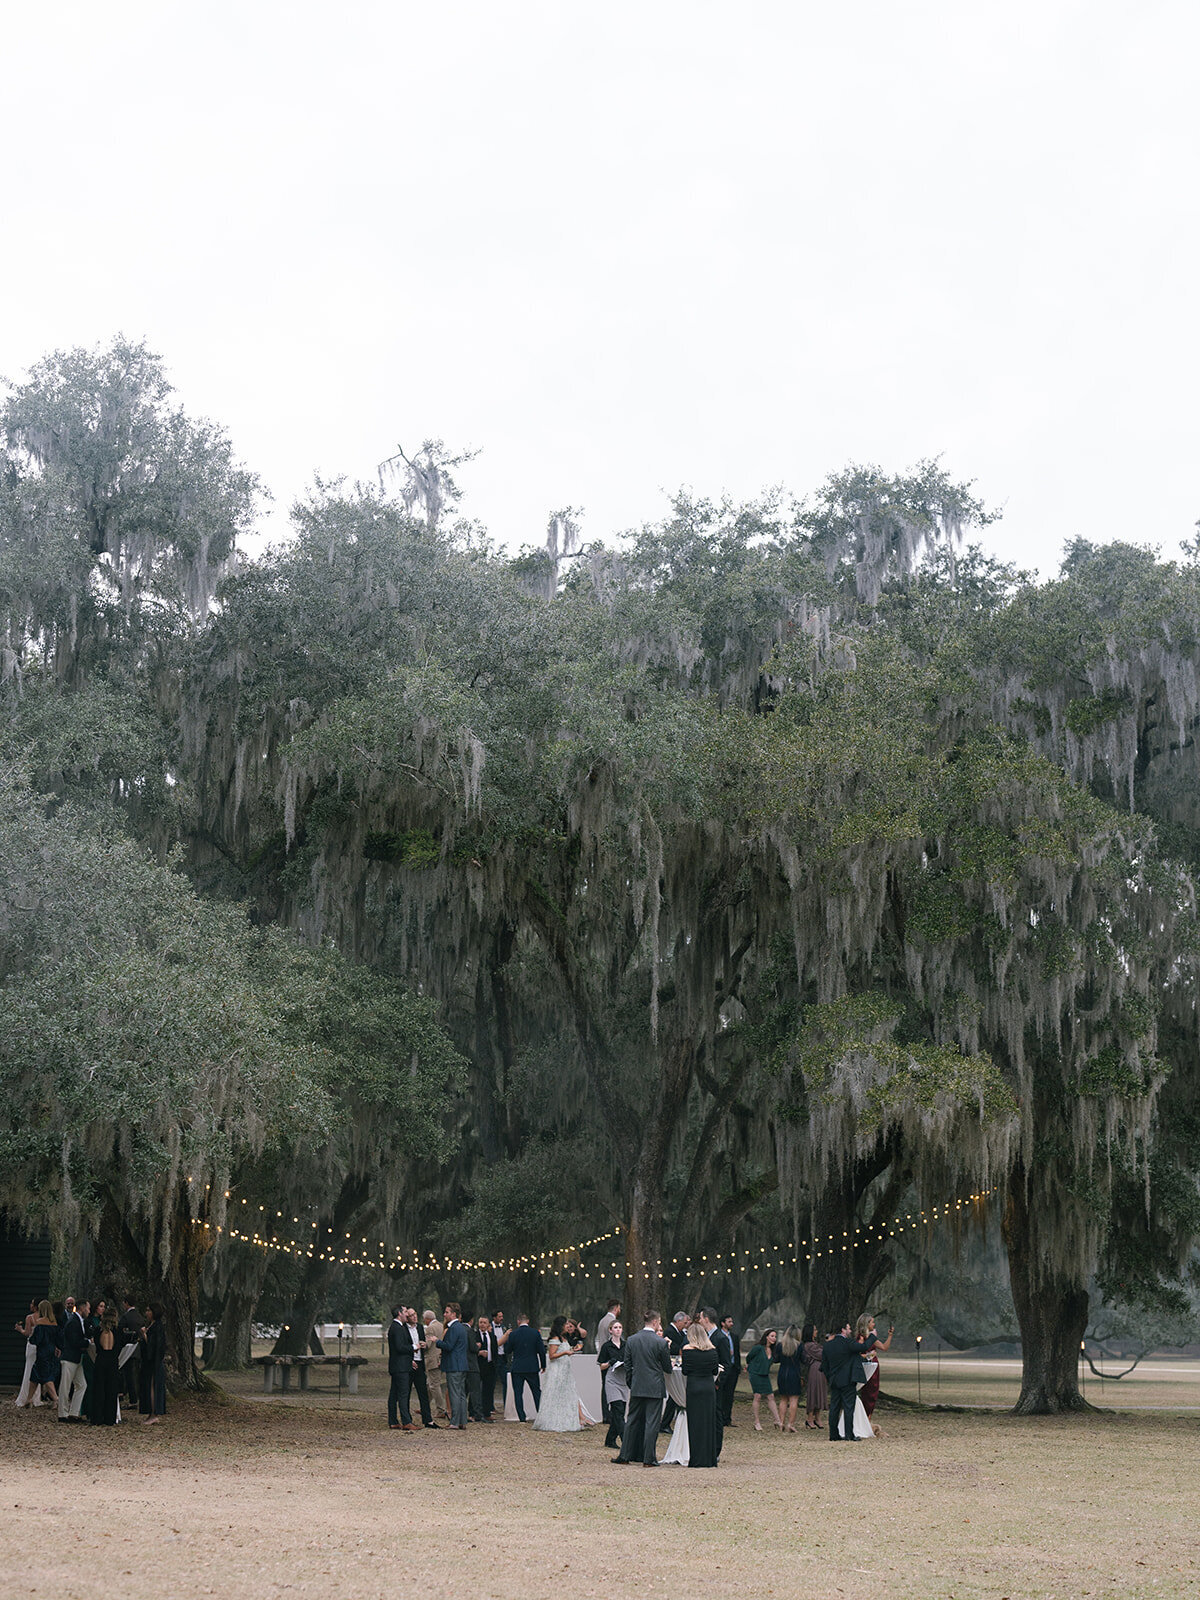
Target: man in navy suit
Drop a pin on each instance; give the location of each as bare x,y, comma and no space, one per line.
526,1351
841,1362
453,1346
72,1347
399,1357
406,1368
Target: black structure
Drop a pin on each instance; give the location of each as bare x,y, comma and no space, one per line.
24,1274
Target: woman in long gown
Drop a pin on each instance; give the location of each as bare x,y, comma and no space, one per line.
560,1410
790,1381
105,1379
869,1391
699,1362
758,1365
25,1329
815,1388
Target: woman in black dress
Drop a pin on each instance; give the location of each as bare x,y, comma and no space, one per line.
45,1364
152,1402
105,1380
615,1381
700,1362
789,1353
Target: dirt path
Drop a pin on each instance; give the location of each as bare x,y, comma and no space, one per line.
279,1498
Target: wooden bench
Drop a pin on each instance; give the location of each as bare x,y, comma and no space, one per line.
282,1367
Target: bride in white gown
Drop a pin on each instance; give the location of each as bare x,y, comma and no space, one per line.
561,1410
862,1423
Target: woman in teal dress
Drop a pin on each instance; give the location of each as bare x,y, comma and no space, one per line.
758,1365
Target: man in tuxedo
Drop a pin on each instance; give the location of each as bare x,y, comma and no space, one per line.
399,1360
729,1378
413,1376
500,1331
647,1363
453,1345
487,1368
720,1343
72,1343
526,1351
841,1362
474,1386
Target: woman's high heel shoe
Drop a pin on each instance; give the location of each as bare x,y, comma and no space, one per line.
758,1427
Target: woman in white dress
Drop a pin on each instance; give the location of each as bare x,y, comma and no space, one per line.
29,1393
560,1410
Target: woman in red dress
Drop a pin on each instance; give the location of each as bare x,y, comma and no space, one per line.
869,1392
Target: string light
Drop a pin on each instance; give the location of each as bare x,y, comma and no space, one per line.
408,1261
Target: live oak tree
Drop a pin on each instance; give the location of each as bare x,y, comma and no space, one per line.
779,863
160,1049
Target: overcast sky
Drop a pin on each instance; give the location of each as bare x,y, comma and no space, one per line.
622,248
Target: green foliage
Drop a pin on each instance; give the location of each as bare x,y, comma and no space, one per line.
415,848
1085,715
139,1053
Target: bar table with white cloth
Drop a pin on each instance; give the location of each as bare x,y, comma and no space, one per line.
587,1384
678,1451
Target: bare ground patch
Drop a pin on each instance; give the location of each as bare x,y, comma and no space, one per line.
294,1497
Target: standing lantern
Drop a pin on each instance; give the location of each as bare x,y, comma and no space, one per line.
918,1369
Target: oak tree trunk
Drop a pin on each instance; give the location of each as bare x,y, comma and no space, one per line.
177,1289
1052,1309
234,1331
845,1268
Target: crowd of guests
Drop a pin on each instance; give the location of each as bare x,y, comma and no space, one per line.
83,1360
457,1370
806,1365
452,1369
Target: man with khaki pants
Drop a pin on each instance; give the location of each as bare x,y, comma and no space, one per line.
437,1393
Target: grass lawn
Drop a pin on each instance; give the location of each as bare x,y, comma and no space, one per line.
312,1495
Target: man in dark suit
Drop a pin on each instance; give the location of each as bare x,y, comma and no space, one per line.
474,1386
72,1345
729,1378
647,1363
413,1376
841,1362
500,1332
129,1329
675,1333
526,1351
720,1343
487,1368
399,1361
454,1345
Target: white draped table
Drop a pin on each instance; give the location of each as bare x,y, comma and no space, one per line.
678,1452
587,1383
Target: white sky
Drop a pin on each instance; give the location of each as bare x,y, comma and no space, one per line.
628,247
